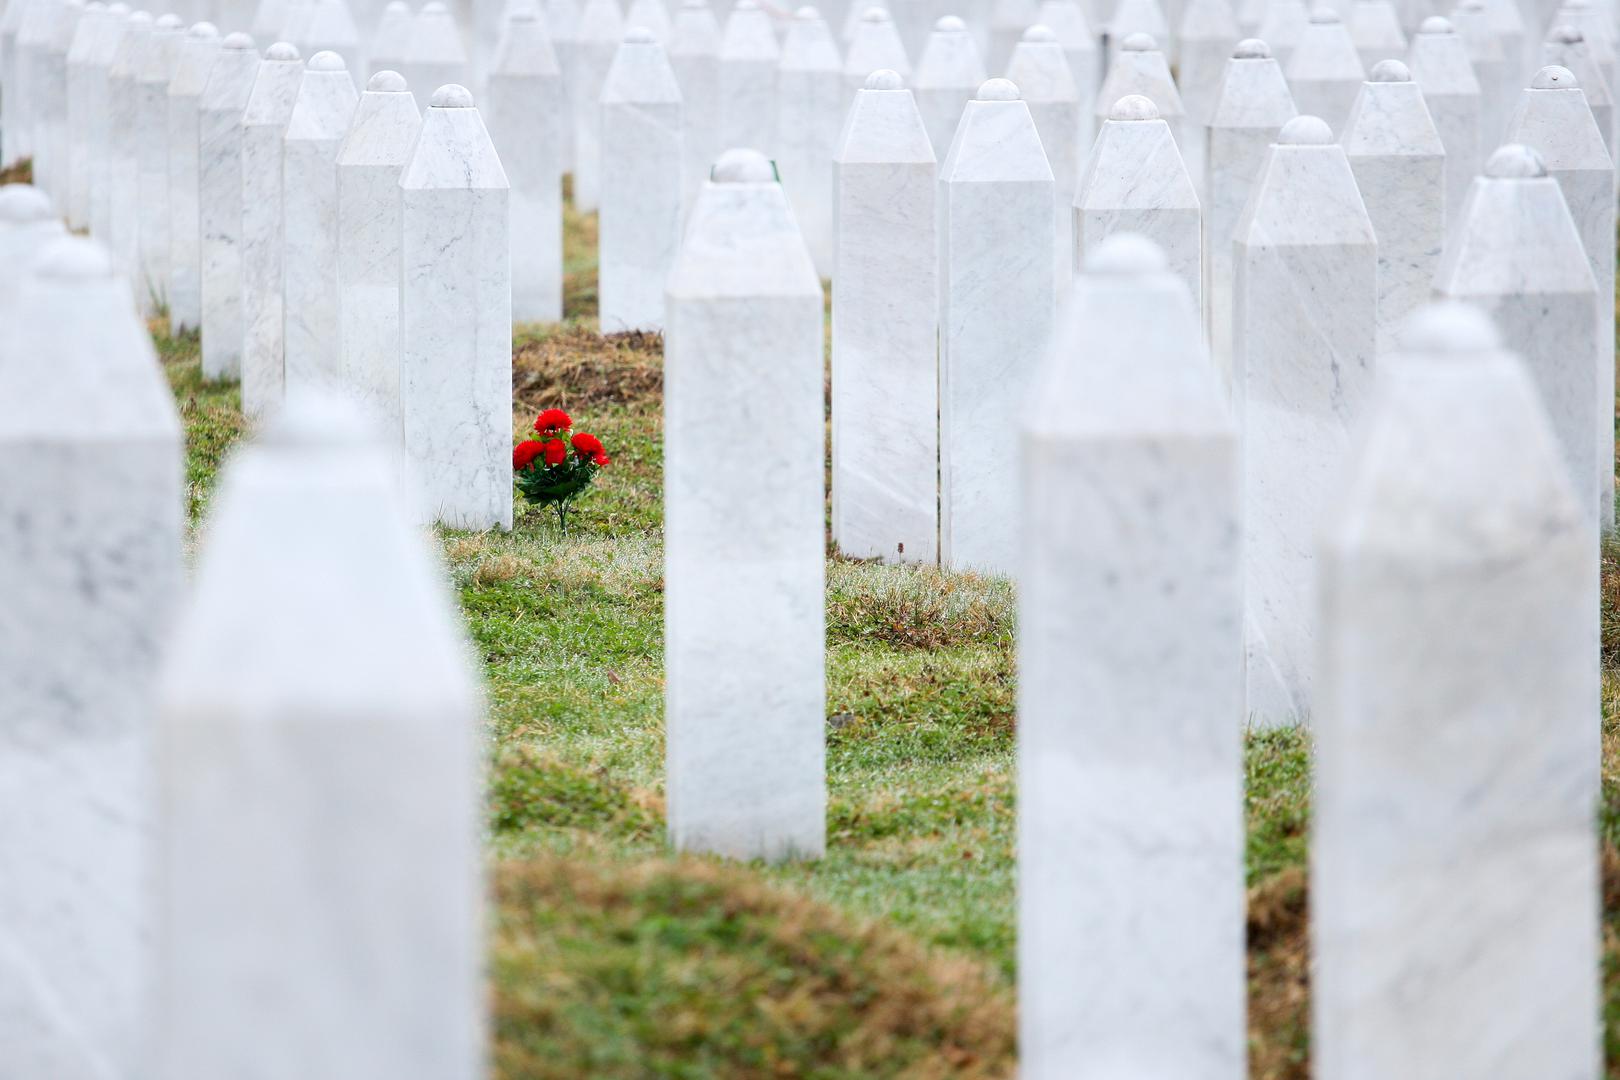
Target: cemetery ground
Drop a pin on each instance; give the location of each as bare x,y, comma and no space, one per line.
892,956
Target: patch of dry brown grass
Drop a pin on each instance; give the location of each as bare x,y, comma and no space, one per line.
573,367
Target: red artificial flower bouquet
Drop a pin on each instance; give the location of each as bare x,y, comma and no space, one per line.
557,468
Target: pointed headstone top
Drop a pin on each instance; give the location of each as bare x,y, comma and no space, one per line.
1390,71
1305,131
1553,77
1134,107
1515,162
452,96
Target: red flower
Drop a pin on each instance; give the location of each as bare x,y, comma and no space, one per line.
552,420
601,458
524,453
555,451
586,445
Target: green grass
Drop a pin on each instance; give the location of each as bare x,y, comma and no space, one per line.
892,956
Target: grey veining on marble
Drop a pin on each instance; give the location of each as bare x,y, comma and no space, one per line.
1375,27
694,53
997,292
1455,774
311,330
948,75
92,496
1399,163
641,185
1130,692
369,164
600,30
219,193
455,304
198,52
1305,320
1135,182
1041,72
321,796
1553,119
885,318
528,116
1439,63
1566,47
264,129
1324,70
1139,67
744,638
809,117
1516,253
1251,106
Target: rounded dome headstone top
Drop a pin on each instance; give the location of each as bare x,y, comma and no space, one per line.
1553,77
1126,254
1305,131
743,166
1386,71
326,60
1515,161
950,24
1436,24
282,50
1139,42
884,79
1449,326
1134,107
1251,49
998,90
452,96
386,82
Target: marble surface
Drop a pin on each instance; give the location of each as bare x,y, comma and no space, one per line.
997,290
744,638
600,31
1497,72
949,72
1282,26
561,19
321,789
1375,27
694,53
1130,826
1439,64
11,20
1305,299
1041,72
319,119
1324,70
29,223
1399,163
50,98
641,185
98,130
391,38
1008,20
264,128
455,380
1070,22
92,494
1135,182
527,113
195,60
1132,17
219,193
1140,68
1567,48
885,318
1455,774
1553,119
1251,105
369,164
876,46
123,237
156,68
809,119
331,28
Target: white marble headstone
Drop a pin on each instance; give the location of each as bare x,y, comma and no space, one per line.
320,853
1498,74
1139,67
876,46
219,192
1282,27
1399,163
157,63
1324,70
744,642
1305,298
391,37
92,496
949,73
997,290
1041,72
1438,61
600,31
1130,762
435,54
86,36
1455,773
455,347
885,317
1206,37
809,117
1566,47
198,53
98,107
123,237
694,53
1375,27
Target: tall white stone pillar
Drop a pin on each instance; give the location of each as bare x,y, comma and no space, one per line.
1041,72
809,118
694,53
219,195
600,30
198,53
949,73
264,129
1438,61
1324,70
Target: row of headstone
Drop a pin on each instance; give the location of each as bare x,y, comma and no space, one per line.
181,851
1454,774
